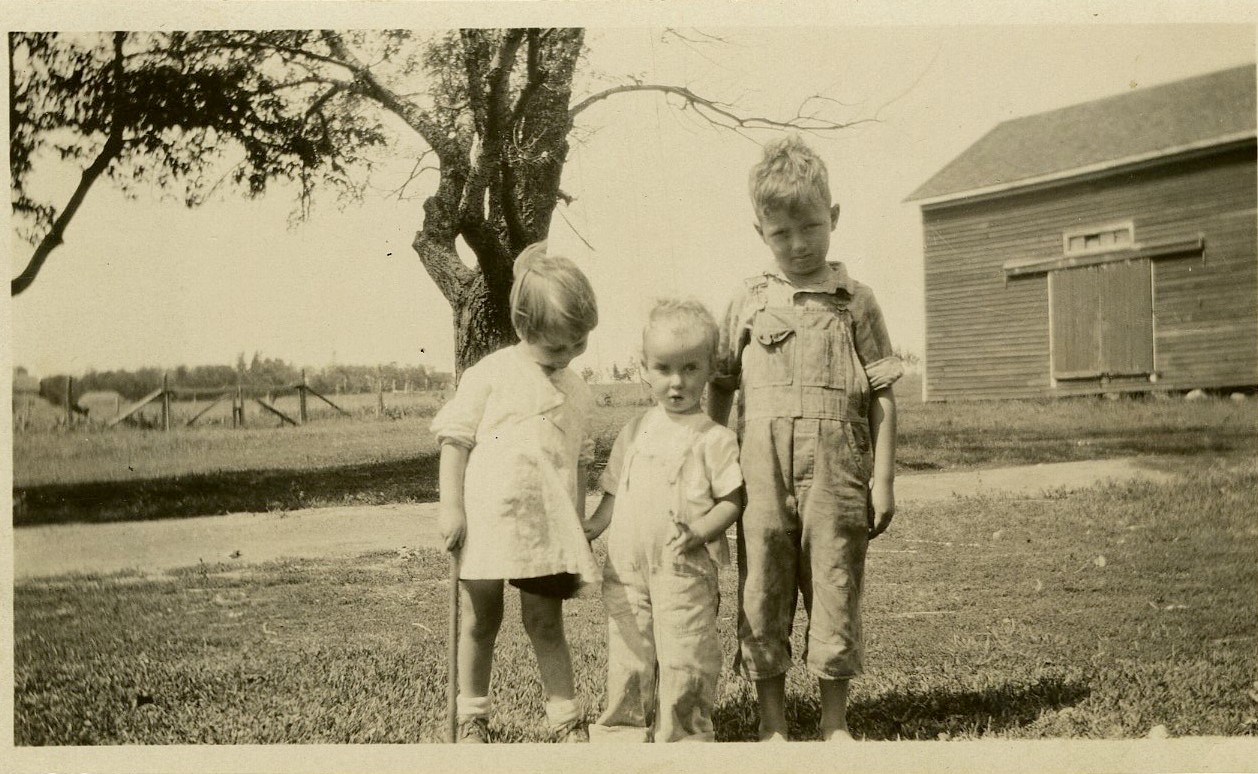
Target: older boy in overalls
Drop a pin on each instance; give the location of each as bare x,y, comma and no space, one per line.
807,348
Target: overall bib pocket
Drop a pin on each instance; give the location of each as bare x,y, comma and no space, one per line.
825,347
770,355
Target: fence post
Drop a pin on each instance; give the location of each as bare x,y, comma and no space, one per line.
166,402
301,397
69,401
379,392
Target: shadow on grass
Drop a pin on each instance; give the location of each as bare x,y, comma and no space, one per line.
912,715
408,480
925,449
997,710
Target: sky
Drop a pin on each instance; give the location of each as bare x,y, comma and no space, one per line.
660,198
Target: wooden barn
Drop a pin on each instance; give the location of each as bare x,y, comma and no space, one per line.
1103,247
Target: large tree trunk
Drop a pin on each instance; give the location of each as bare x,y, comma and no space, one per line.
501,164
480,325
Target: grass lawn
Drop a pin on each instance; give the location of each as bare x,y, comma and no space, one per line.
127,474
1100,615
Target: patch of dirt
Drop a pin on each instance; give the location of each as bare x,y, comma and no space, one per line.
218,541
1025,480
147,547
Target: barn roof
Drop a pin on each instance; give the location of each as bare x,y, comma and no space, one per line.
1143,124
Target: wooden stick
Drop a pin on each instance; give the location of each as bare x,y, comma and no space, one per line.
452,653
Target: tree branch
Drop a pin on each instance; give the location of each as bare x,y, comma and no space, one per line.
473,44
575,231
489,80
110,151
719,113
417,169
434,242
368,85
498,137
534,76
448,272
488,70
248,45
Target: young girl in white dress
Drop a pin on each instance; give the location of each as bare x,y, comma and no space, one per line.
513,454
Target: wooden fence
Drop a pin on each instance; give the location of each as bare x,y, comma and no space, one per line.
238,394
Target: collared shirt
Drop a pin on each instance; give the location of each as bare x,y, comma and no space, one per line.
772,288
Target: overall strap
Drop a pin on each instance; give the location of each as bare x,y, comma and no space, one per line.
631,431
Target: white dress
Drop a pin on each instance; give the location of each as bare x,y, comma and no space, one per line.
526,431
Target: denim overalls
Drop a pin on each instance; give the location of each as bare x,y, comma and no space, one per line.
807,460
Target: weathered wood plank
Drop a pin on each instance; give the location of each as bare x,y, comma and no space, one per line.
134,407
276,412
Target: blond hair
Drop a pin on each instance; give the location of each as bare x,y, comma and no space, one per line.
682,314
550,296
789,174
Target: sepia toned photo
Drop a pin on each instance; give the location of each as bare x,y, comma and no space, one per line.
392,381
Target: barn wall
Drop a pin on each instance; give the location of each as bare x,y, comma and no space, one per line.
988,337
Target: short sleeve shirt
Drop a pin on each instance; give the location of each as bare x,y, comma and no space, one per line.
698,464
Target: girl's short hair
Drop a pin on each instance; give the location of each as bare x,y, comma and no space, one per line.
550,296
682,314
789,174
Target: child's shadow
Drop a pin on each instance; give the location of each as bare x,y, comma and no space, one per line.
1000,708
912,715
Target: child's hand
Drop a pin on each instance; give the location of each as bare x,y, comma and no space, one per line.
600,519
884,373
881,508
453,524
683,539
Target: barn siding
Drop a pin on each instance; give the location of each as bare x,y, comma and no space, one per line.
988,337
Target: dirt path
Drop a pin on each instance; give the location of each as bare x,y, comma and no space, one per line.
246,538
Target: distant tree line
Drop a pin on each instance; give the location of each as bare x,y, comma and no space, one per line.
259,373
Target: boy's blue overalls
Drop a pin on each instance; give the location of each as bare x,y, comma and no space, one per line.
807,460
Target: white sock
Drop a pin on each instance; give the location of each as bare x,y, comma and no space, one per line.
472,706
561,711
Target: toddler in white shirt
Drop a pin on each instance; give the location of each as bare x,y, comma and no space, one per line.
671,488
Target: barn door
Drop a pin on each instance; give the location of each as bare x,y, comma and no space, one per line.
1102,320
